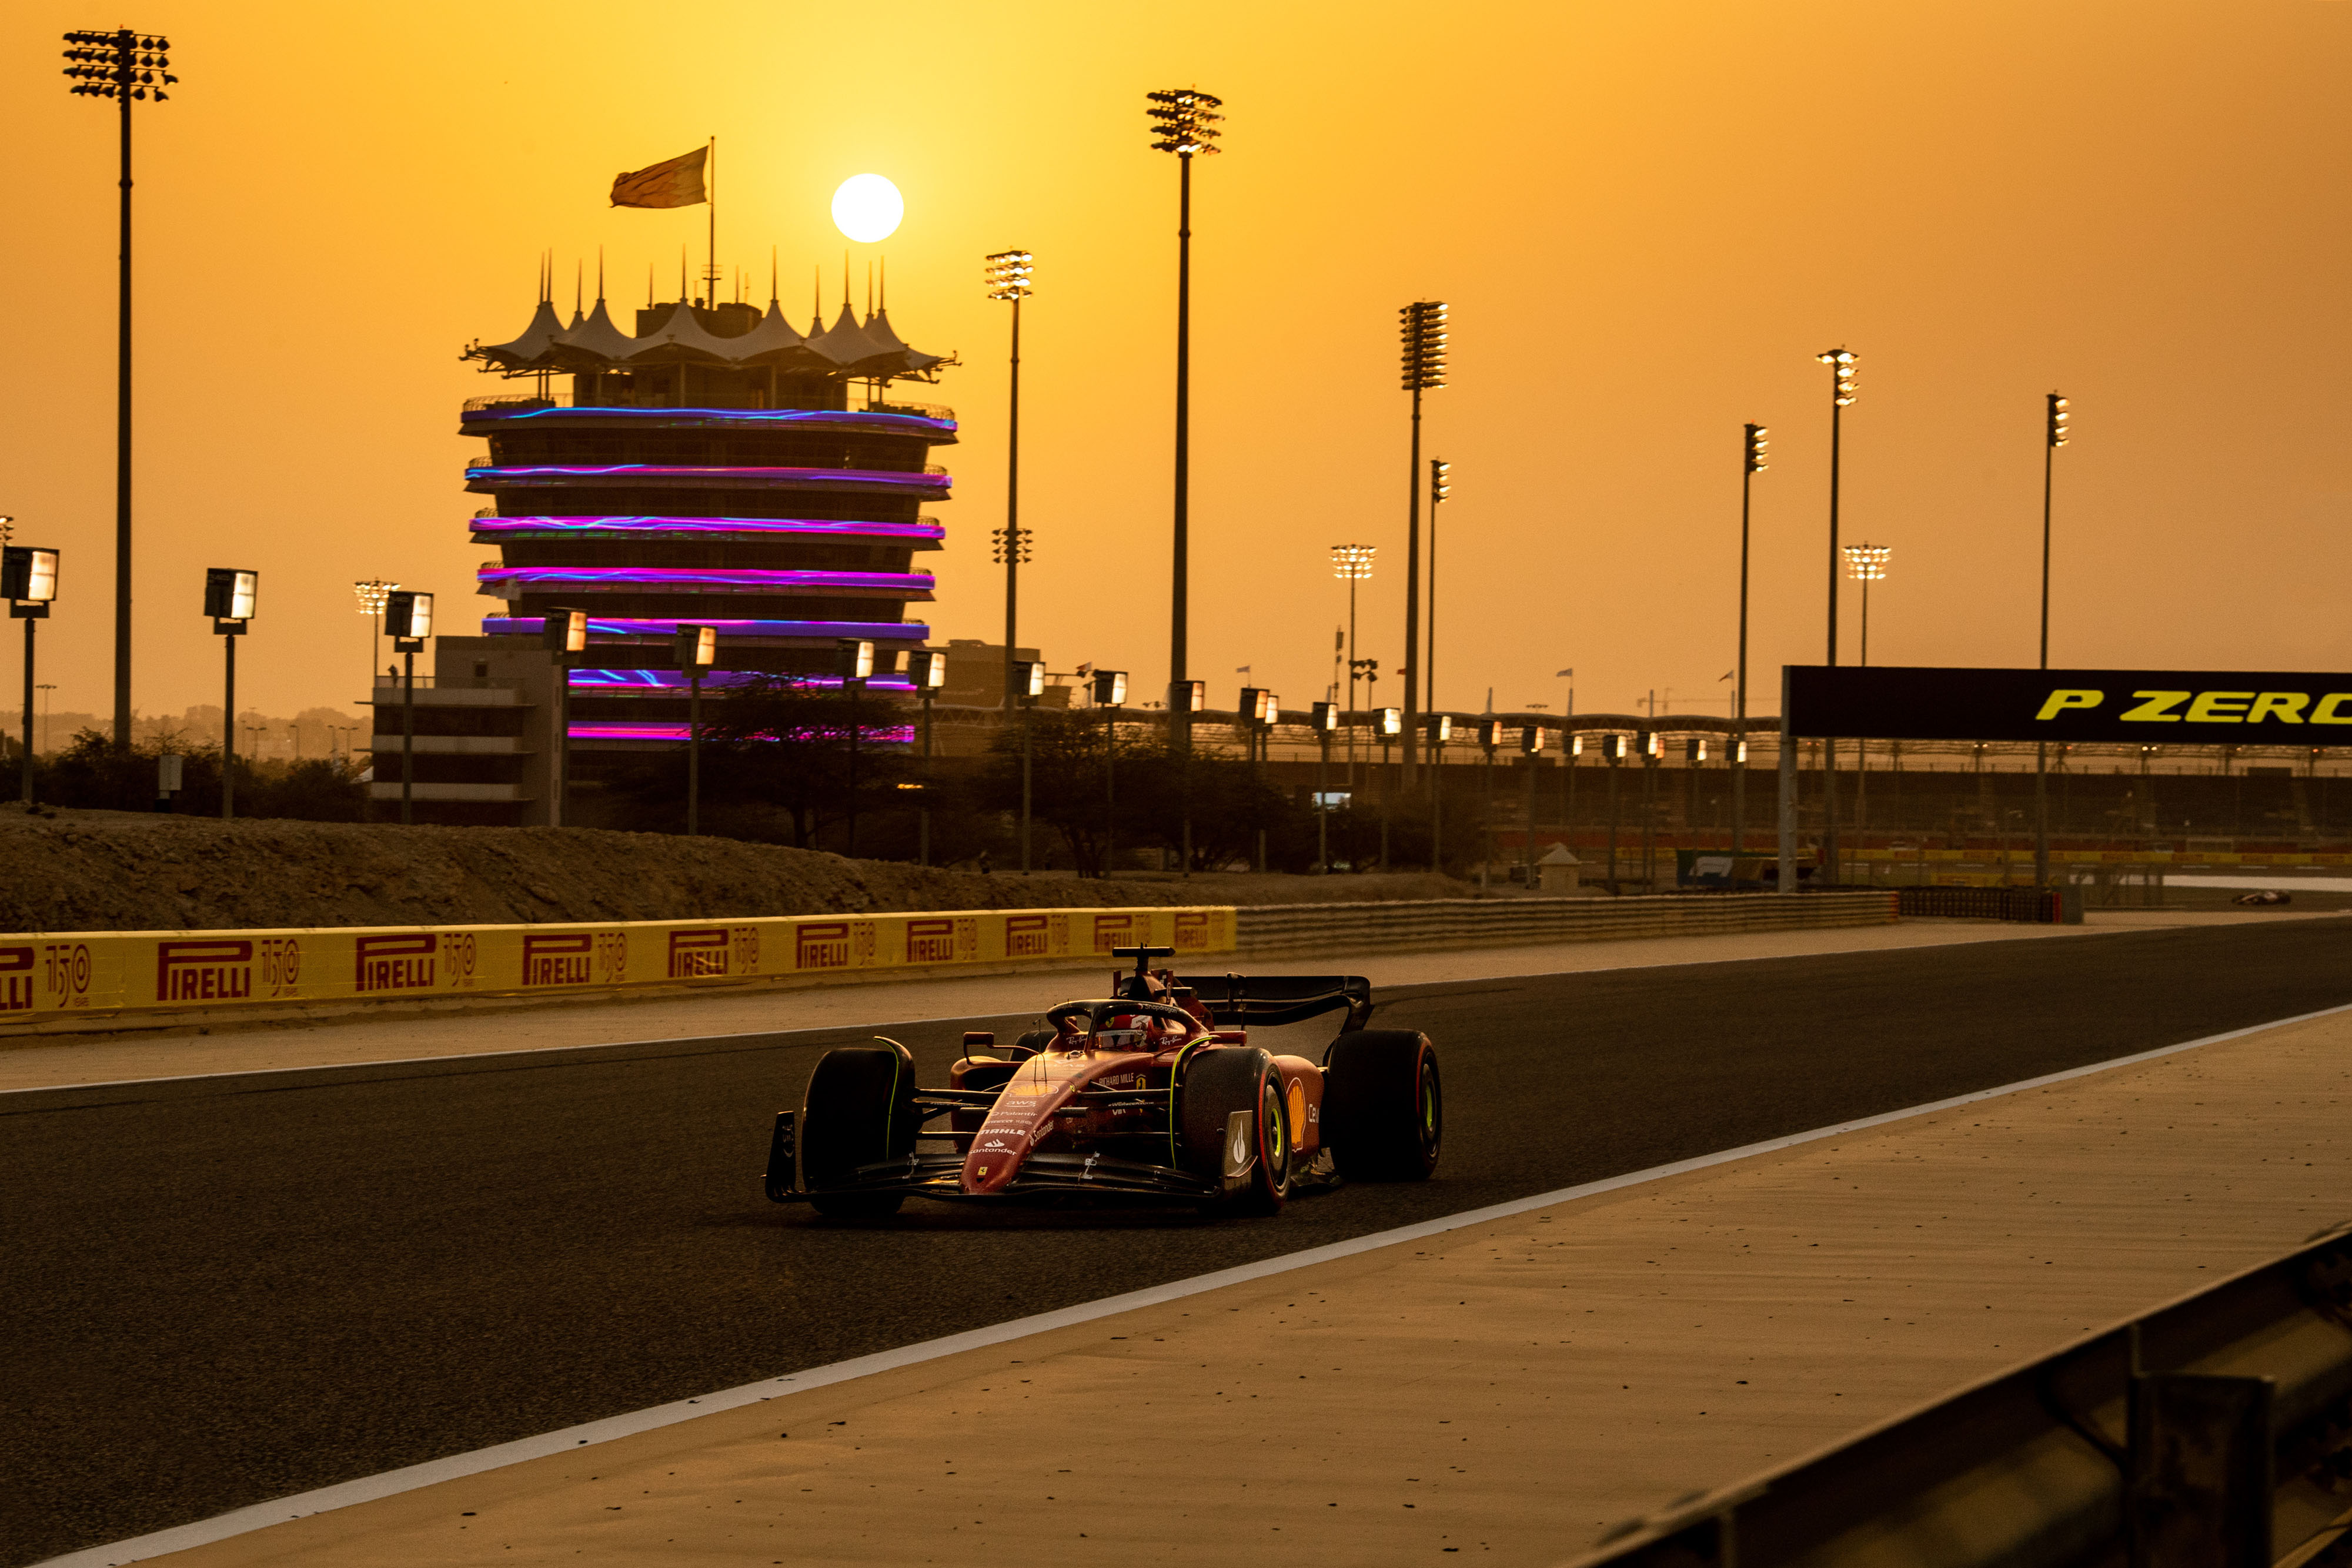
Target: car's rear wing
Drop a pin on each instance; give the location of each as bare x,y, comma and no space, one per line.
1269,999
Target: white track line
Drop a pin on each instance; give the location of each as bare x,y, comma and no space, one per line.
1014,1012
391,1482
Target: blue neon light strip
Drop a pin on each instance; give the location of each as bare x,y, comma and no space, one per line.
670,472
742,579
667,682
881,735
874,631
853,417
821,526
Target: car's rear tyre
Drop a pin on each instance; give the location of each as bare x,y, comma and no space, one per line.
1383,1110
860,1111
1219,1081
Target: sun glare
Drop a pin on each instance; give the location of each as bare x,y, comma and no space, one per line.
868,208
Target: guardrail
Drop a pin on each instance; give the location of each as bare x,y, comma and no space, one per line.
2032,905
51,982
1496,922
2215,1432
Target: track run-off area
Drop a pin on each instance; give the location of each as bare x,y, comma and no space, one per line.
226,1290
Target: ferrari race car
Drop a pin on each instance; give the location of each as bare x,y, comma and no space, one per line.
1152,1094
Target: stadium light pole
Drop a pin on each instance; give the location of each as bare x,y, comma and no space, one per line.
1753,443
1353,564
28,581
127,67
1423,328
1440,489
1840,364
231,595
372,592
1866,564
1183,121
2053,436
1008,276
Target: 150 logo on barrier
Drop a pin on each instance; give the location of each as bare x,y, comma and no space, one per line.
214,970
66,967
281,965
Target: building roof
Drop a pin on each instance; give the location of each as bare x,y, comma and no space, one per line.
870,349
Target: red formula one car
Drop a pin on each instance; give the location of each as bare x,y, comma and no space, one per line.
1152,1094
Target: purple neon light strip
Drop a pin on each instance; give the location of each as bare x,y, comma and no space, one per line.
703,471
860,417
822,527
886,735
623,577
668,681
894,631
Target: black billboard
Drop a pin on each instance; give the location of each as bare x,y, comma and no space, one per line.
2139,707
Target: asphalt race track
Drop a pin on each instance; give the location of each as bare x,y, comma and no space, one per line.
221,1291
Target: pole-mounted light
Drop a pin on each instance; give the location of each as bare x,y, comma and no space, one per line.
1841,363
118,64
1441,484
1422,325
1352,563
1183,121
1323,717
1755,448
1440,729
2057,422
409,618
1008,273
1028,677
28,575
372,592
927,669
1867,562
1109,687
231,594
853,659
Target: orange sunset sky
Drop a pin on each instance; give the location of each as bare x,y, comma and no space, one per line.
1646,218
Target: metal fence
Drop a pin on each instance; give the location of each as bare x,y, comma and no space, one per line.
2032,905
2212,1433
1433,924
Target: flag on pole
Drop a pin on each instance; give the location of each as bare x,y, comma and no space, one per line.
675,184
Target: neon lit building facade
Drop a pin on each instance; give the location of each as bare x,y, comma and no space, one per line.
718,468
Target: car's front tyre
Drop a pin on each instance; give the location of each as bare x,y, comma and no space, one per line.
860,1111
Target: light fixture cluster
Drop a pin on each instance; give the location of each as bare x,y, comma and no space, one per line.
1867,562
1008,275
2058,406
1755,447
121,65
1019,544
1841,362
1352,562
1183,121
1423,328
1441,484
372,594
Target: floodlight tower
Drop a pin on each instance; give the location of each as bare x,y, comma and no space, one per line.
1752,446
1866,564
1422,327
1440,489
129,68
2053,436
1008,279
1840,364
1183,121
372,592
1353,564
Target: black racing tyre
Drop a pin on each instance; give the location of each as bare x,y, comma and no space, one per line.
860,1111
1384,1112
1218,1081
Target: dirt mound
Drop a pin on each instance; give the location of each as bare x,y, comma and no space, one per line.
120,871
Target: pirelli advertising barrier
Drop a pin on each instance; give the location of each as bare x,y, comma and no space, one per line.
2136,707
46,977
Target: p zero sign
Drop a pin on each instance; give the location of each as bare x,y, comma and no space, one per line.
2135,708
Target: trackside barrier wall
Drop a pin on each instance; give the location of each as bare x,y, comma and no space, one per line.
1479,923
50,978
2214,1432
